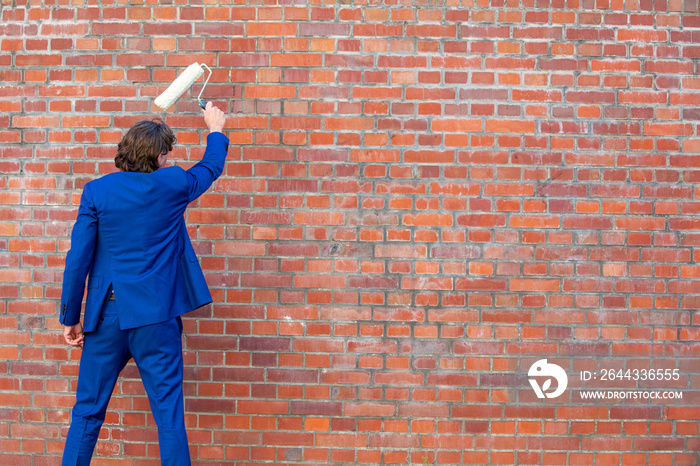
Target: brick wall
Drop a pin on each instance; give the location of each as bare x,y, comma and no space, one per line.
422,198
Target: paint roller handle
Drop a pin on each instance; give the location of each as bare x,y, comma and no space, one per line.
214,118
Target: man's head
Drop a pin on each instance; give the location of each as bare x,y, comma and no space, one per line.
145,147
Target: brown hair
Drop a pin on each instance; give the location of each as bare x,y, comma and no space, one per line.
139,149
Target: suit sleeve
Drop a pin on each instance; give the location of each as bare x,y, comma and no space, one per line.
202,175
79,259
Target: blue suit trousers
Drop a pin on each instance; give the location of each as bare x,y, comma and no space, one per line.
157,351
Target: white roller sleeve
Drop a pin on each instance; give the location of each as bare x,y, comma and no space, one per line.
180,85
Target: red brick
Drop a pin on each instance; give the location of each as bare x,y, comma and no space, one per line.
367,210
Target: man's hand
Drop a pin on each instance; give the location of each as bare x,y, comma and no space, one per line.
214,118
74,334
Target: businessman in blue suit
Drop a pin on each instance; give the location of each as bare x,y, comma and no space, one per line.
130,238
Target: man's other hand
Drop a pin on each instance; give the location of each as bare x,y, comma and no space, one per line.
214,118
74,334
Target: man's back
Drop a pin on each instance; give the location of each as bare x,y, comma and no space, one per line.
139,241
139,214
140,247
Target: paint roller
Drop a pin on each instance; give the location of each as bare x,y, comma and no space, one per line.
181,84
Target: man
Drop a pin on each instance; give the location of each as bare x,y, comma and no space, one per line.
130,237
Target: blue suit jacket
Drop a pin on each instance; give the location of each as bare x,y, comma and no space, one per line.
130,236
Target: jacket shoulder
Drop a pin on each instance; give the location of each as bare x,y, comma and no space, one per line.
172,173
174,176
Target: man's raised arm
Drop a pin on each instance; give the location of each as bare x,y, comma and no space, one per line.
204,173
